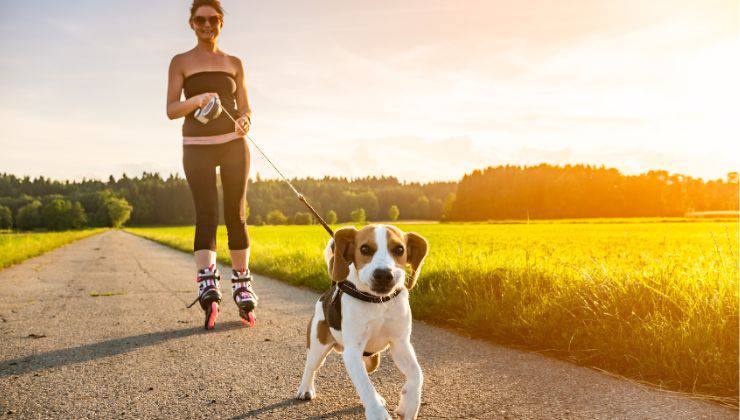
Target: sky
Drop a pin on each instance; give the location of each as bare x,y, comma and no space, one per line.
419,90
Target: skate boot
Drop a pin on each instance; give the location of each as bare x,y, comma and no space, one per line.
244,296
209,294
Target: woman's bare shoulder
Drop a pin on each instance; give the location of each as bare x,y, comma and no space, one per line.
236,63
182,57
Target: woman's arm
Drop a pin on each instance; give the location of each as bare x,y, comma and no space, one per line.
242,103
175,107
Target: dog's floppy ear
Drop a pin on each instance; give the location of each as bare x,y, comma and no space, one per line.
344,249
417,248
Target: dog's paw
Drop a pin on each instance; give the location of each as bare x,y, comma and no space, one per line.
377,412
406,410
381,400
404,414
305,394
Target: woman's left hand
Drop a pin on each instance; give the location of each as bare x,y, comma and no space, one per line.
242,125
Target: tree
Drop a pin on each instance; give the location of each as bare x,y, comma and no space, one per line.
29,216
61,214
55,214
119,211
6,218
393,212
276,217
422,207
331,217
358,216
258,220
302,218
447,209
78,216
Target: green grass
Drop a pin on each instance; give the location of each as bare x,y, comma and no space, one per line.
19,246
657,302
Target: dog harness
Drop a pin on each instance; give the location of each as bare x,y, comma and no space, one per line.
331,301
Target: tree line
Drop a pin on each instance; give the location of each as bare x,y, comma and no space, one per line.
494,193
158,201
581,191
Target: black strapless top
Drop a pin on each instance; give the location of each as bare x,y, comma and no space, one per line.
220,82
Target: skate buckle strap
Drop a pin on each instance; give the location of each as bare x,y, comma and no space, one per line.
213,276
205,290
193,302
208,283
246,279
243,290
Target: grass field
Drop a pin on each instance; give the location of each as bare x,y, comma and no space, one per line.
657,302
16,247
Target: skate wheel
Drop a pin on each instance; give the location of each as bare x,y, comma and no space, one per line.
250,319
211,316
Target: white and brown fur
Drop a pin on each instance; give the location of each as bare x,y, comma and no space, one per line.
374,259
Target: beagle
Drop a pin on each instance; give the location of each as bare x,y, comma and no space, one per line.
366,311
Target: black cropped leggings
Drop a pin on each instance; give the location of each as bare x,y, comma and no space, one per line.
199,162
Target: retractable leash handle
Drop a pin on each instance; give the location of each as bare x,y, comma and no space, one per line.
208,112
212,110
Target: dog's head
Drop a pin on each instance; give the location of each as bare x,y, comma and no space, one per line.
379,254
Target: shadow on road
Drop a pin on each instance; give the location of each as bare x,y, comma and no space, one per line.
272,407
291,402
72,355
358,410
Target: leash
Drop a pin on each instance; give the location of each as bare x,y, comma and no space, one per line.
344,286
214,108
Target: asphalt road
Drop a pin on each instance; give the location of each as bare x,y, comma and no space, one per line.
134,351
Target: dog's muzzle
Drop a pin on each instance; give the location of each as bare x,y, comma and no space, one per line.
383,280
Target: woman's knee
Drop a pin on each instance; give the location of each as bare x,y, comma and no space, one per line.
235,214
237,235
206,219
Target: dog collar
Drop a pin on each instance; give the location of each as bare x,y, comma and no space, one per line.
350,289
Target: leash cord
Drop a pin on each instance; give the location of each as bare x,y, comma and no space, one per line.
299,195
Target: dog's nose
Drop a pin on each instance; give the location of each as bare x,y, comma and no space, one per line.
383,275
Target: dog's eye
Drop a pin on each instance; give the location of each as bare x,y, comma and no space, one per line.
398,250
366,250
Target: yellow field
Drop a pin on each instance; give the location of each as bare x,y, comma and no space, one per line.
16,247
656,302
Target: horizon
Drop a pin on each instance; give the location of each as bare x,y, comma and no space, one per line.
423,92
254,175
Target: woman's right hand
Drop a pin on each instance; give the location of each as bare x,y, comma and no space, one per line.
203,98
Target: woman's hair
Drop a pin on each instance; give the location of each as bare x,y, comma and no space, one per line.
216,4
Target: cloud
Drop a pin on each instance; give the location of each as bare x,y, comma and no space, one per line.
421,92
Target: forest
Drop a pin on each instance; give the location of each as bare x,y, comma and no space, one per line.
495,193
158,201
584,191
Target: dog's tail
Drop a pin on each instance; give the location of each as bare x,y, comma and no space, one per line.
372,362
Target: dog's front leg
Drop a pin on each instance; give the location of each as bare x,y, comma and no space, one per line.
374,407
405,358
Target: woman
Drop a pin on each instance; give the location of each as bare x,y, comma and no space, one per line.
205,72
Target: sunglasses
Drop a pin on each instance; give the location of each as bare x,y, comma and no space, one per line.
201,20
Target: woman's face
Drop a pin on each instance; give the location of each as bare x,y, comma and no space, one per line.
206,23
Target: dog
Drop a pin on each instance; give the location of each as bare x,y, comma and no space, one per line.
366,311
